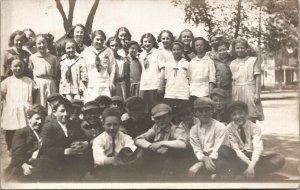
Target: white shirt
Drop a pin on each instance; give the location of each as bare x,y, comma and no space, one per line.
64,128
89,71
151,76
102,146
208,138
253,141
202,72
176,75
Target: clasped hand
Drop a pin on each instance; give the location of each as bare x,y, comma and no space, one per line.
158,147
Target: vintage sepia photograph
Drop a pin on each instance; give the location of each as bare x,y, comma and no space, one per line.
111,94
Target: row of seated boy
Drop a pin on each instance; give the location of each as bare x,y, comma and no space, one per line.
67,148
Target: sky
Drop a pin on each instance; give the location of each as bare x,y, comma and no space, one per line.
139,16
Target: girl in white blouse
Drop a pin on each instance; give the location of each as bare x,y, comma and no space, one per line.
202,70
98,68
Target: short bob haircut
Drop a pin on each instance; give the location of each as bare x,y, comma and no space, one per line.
185,30
131,43
68,41
249,50
179,43
125,30
114,112
98,33
14,34
63,101
221,43
15,58
36,109
86,37
206,43
168,32
149,35
113,38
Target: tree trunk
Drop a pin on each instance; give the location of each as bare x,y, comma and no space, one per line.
238,19
60,8
90,18
71,11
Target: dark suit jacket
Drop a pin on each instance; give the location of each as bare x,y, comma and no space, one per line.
55,162
23,145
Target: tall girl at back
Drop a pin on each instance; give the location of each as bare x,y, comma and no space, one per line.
98,68
45,69
18,92
166,38
30,44
70,71
152,71
246,83
202,70
176,76
122,77
124,36
186,37
16,42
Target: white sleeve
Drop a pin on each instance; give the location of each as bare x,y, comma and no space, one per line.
98,151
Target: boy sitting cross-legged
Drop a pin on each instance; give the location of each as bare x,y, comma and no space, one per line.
113,149
246,140
162,143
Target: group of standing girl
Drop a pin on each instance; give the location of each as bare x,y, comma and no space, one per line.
86,66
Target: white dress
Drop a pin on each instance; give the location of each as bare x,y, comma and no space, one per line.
18,98
243,85
176,75
202,72
97,81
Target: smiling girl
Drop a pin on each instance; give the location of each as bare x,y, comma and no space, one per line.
186,37
246,83
16,42
18,92
176,76
45,69
152,71
70,72
98,70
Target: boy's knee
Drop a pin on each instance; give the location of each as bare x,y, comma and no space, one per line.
226,152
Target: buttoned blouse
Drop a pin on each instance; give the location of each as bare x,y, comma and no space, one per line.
151,76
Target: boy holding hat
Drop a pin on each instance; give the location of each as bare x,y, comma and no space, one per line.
219,97
246,140
108,147
208,138
138,122
162,142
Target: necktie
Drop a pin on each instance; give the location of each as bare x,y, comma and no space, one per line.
146,63
113,146
242,133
